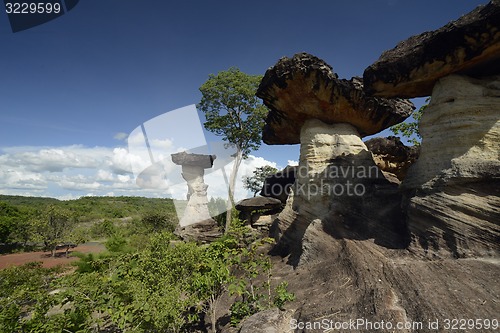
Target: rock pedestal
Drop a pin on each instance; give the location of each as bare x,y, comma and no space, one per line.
196,220
337,193
453,189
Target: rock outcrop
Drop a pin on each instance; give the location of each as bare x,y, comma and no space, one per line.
452,199
253,209
338,188
468,46
392,156
278,185
454,188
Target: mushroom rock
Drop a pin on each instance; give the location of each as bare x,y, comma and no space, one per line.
252,209
392,156
451,193
338,190
196,219
468,46
453,189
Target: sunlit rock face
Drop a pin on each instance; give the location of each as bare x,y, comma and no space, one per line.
339,192
453,189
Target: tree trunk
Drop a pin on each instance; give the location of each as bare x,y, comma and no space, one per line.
232,185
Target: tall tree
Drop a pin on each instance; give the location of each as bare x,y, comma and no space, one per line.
254,183
234,112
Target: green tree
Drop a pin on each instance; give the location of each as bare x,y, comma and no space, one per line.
409,129
53,226
9,221
255,182
234,112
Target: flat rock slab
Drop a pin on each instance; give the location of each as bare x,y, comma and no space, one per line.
204,161
258,203
469,45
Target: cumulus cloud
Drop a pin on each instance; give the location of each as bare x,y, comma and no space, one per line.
70,172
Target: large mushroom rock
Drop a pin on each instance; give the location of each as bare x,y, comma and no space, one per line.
453,189
392,156
338,189
469,45
451,193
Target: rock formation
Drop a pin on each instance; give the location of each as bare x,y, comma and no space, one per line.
337,186
278,185
469,46
454,187
258,210
196,222
392,156
452,197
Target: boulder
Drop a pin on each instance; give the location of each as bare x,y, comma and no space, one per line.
453,190
468,46
268,321
204,232
392,156
278,185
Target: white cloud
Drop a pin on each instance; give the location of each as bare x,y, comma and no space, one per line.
293,163
69,172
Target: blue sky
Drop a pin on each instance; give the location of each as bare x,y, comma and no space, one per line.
72,88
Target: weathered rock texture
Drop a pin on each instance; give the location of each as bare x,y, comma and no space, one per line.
392,156
338,189
305,87
469,45
454,187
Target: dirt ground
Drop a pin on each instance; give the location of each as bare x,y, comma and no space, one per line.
18,259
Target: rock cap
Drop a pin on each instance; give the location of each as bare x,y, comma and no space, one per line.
200,160
305,87
469,45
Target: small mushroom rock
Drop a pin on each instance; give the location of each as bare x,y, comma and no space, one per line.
337,184
196,222
468,46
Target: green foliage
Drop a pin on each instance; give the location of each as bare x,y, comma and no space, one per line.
164,286
53,226
282,295
9,220
232,110
102,229
409,129
155,222
255,182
